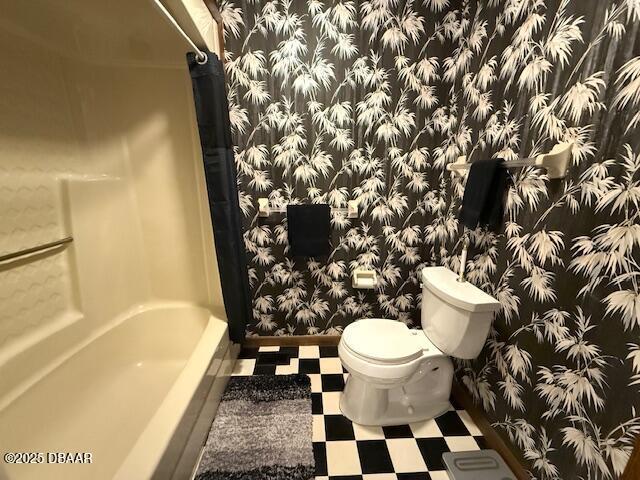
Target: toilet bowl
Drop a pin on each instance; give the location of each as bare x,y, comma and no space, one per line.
396,375
400,375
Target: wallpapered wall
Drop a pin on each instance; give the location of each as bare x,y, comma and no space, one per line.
370,100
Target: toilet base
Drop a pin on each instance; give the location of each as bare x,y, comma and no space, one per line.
395,414
423,397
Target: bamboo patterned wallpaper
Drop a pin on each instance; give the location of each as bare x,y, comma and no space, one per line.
339,100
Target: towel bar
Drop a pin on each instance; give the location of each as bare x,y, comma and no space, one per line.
36,249
556,162
265,209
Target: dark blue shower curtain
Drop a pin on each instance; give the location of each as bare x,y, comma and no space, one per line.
212,111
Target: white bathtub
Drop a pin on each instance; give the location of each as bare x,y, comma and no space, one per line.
120,397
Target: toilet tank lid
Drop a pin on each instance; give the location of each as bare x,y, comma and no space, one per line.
444,283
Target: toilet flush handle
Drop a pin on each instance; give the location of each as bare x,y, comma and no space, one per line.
463,256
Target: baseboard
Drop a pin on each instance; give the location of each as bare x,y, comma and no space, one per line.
493,440
632,472
292,341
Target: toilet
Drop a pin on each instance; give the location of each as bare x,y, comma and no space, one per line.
400,375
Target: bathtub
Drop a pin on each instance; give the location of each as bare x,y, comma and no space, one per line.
121,397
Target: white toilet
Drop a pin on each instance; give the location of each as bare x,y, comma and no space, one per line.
398,375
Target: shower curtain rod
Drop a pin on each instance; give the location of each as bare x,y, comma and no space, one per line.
201,57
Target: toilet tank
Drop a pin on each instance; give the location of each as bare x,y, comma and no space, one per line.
456,316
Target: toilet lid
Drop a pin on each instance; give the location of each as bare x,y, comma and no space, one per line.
382,340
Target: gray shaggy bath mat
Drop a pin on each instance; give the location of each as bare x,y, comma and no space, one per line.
262,431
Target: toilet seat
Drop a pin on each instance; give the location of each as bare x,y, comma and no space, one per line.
385,352
382,341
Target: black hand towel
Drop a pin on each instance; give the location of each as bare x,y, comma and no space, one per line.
309,230
483,200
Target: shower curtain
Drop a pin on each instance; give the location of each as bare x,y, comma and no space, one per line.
212,112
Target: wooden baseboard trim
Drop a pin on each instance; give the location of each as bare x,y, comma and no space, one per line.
494,441
633,465
292,341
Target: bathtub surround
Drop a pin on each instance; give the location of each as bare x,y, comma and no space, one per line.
104,344
212,112
370,100
262,430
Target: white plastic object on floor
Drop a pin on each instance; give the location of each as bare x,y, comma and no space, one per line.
477,465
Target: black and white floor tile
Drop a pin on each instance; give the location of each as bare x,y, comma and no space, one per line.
347,451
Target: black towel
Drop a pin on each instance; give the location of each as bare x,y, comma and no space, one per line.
309,230
483,201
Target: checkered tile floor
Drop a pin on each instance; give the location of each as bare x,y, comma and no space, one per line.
347,451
